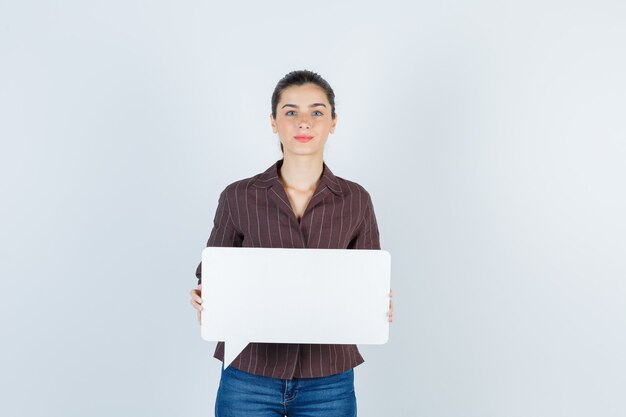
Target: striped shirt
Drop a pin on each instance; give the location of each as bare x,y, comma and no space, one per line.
255,212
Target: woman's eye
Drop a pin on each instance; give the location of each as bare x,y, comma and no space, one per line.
290,111
317,111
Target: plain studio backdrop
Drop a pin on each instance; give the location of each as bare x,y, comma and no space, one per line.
489,134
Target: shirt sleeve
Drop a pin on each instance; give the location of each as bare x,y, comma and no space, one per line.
367,236
224,232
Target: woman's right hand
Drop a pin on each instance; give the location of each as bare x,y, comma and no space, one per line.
196,300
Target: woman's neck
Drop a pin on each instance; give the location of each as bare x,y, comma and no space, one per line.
301,173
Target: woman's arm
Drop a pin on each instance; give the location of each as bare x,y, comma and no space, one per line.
223,234
367,237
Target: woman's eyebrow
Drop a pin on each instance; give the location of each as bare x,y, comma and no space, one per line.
310,105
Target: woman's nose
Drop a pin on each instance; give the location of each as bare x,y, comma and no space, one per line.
304,122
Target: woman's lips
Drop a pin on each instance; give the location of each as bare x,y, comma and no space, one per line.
303,138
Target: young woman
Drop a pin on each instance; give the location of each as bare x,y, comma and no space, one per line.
296,203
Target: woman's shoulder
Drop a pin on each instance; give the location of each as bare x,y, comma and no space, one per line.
351,188
241,185
260,180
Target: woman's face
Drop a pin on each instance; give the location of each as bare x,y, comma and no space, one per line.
303,120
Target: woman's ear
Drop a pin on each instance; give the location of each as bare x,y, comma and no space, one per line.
333,124
273,123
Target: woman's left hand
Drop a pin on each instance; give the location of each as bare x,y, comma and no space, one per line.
390,306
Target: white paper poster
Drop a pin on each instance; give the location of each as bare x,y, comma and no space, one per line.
272,295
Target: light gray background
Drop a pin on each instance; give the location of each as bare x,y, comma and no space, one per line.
490,135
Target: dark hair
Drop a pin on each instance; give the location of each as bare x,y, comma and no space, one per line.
301,77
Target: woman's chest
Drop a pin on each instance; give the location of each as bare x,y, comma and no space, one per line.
268,218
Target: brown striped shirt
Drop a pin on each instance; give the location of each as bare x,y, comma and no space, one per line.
255,212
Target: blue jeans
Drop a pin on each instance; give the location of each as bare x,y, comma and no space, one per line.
242,394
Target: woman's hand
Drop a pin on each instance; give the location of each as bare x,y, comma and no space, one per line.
196,300
390,306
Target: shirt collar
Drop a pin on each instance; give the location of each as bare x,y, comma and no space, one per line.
269,178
